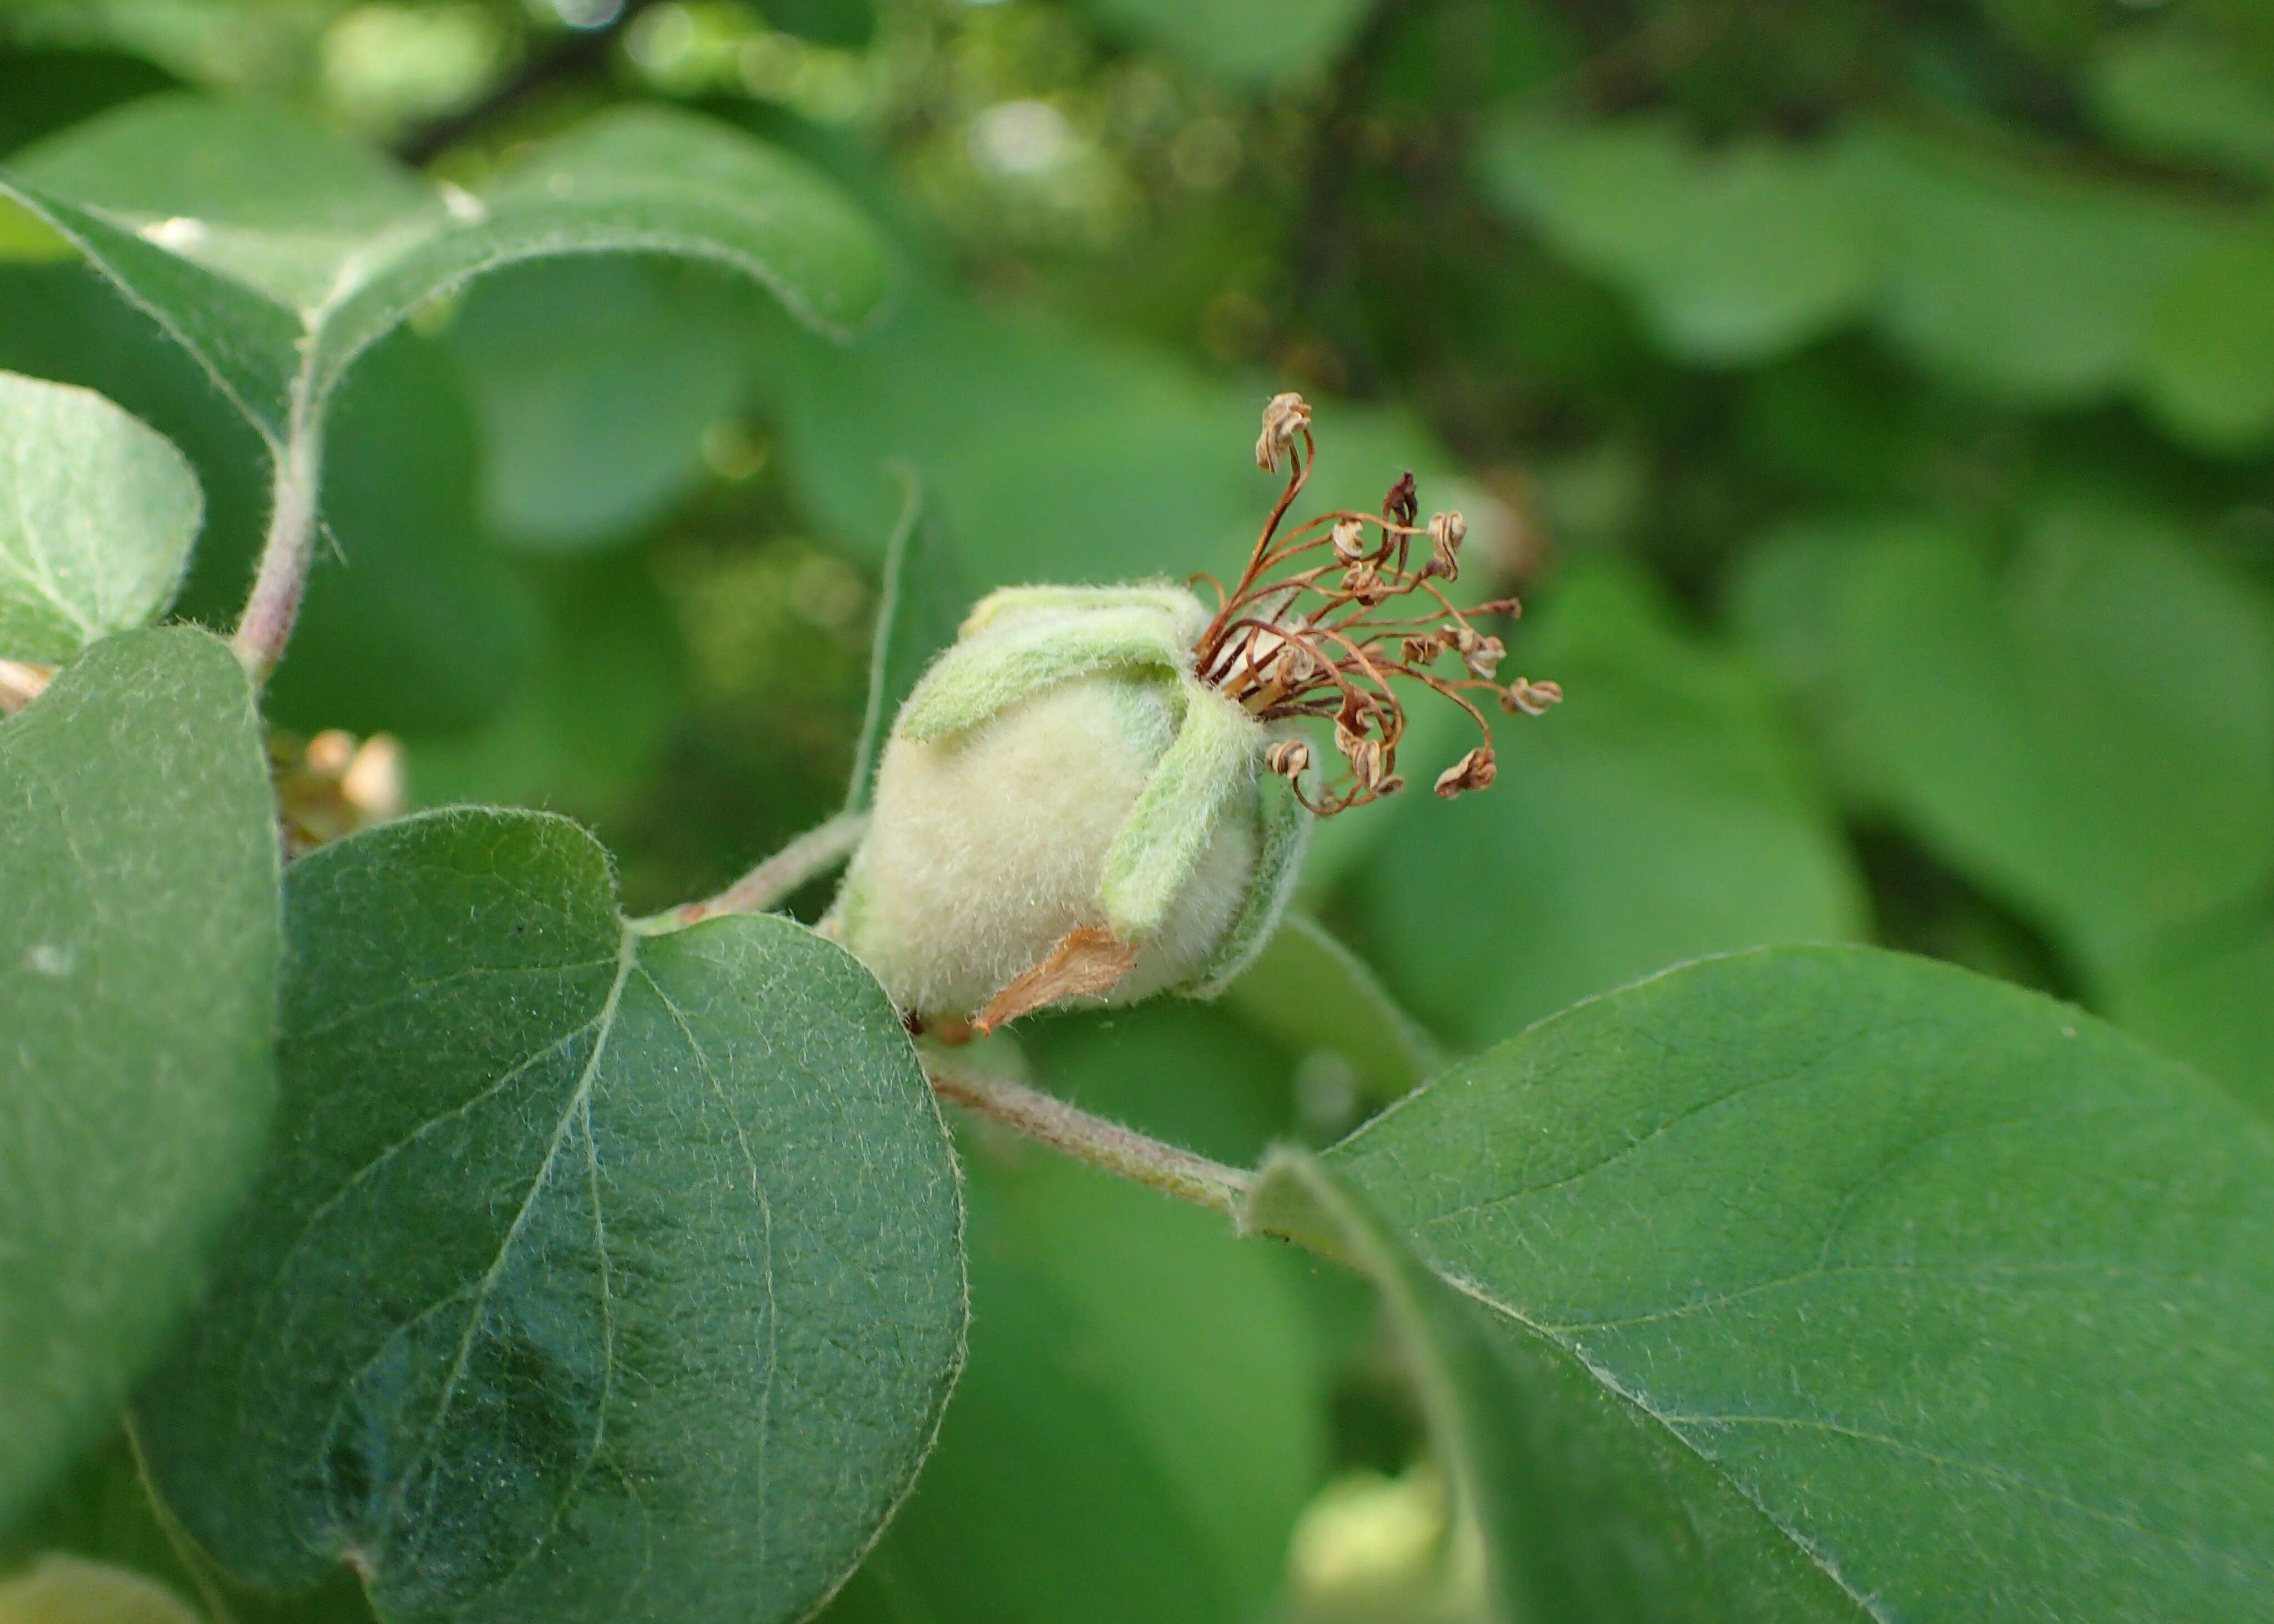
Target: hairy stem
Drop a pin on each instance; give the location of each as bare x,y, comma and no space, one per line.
814,852
1086,1137
266,623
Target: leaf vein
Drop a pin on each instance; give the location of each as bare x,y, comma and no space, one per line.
627,958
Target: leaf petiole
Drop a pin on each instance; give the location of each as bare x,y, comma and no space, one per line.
811,854
282,576
1125,1152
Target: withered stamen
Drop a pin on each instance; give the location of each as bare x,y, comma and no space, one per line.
1474,770
1447,531
1364,584
1531,698
1290,758
1334,661
1286,417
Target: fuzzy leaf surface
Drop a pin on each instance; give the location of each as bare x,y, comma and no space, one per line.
139,882
97,513
276,254
601,1275
1826,1283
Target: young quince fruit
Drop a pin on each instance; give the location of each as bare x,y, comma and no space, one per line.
1102,793
1062,795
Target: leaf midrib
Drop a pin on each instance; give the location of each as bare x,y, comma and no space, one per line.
2234,1561
37,568
1558,1337
1672,1425
1637,1406
577,1106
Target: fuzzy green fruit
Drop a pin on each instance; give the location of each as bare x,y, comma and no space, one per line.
1061,775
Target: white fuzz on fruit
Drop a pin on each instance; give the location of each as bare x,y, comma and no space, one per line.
1059,771
988,849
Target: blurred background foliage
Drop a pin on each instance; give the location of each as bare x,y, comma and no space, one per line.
1874,402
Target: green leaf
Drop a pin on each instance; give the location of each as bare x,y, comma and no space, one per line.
1579,1511
1997,271
600,1274
1784,596
1825,1284
138,877
1660,813
276,254
643,178
1058,455
96,517
1734,256
2014,278
103,1512
1140,1423
1249,44
26,238
175,170
67,325
2173,91
52,88
585,725
593,380
2208,998
99,1510
1190,1073
411,622
2090,738
2002,721
923,604
70,1589
848,25
2208,370
1316,998
1143,1416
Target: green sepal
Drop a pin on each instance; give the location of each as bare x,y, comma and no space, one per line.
1016,602
978,679
1283,830
1153,859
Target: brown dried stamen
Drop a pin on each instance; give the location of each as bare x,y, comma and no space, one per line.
1282,656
